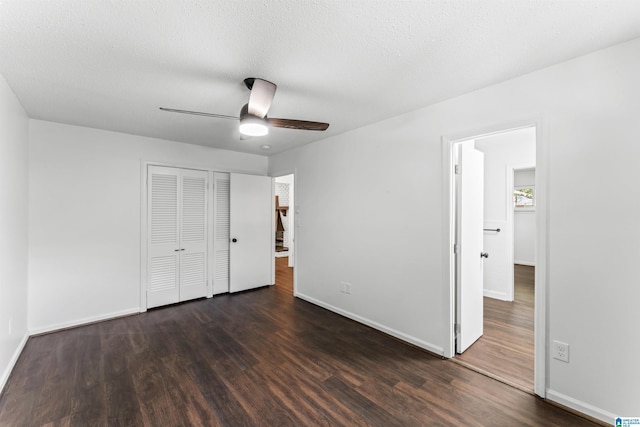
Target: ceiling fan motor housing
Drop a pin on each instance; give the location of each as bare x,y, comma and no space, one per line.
251,125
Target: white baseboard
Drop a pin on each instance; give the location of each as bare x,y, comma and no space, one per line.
375,325
585,408
527,263
86,320
496,295
12,362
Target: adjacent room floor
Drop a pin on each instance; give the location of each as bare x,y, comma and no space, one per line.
506,349
257,358
284,275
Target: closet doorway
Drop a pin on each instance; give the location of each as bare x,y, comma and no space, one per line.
284,234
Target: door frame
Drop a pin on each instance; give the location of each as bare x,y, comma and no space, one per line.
448,238
292,210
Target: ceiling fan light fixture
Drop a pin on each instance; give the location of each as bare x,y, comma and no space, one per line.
253,126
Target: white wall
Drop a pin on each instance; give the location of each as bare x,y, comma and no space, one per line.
524,223
14,126
524,177
386,180
502,152
85,204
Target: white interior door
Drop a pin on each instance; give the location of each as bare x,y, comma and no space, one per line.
221,233
469,260
251,232
163,246
193,234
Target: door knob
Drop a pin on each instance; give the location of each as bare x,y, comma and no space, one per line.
484,255
234,240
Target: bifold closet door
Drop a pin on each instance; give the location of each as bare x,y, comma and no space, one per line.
176,235
220,233
193,234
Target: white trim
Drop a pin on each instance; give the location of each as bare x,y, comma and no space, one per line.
448,238
201,167
541,259
84,321
143,235
210,224
448,241
273,231
527,263
375,325
590,410
12,362
292,209
496,295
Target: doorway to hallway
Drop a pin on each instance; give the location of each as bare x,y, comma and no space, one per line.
506,347
284,232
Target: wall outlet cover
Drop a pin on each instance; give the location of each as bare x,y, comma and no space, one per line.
561,351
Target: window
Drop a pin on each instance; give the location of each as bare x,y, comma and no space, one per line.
524,198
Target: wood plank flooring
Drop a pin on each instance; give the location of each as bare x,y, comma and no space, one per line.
506,348
284,275
256,358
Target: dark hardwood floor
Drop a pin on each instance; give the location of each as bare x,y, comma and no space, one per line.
284,275
505,351
257,358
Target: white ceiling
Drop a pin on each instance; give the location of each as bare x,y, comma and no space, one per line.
111,64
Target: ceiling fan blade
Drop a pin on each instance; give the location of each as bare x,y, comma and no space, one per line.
198,113
262,93
297,124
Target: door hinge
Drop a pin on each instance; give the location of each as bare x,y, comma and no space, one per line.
457,169
455,248
456,329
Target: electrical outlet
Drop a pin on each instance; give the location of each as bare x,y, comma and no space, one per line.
561,351
345,287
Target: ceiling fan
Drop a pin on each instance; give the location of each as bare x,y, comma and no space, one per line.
253,115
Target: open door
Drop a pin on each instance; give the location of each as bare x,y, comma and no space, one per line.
251,232
469,242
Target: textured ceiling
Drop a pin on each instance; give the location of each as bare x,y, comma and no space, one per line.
111,64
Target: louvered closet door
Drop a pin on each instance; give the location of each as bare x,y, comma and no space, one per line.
163,238
221,233
177,235
193,235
